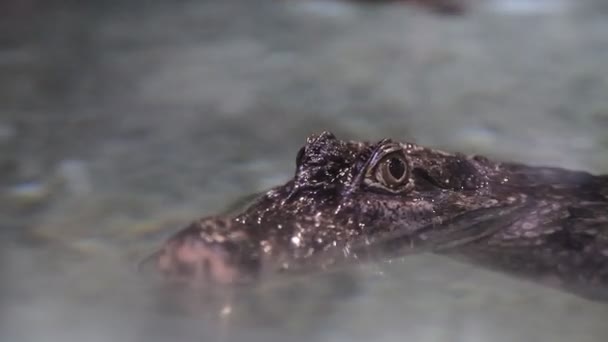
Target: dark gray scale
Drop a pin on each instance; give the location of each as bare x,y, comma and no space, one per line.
356,201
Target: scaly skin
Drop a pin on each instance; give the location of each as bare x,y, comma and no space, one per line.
352,201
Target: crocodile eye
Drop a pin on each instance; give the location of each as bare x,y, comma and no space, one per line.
392,170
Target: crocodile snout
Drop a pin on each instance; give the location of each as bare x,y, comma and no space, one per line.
208,252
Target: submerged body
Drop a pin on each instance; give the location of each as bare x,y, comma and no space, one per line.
358,201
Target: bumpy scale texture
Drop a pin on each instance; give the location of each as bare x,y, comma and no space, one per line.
352,201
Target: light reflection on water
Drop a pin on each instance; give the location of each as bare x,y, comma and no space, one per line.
170,112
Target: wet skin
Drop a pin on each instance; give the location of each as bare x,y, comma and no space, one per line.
354,201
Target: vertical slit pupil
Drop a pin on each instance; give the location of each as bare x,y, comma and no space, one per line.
396,167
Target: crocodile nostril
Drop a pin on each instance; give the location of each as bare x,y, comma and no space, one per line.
184,270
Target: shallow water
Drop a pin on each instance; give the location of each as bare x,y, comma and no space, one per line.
119,123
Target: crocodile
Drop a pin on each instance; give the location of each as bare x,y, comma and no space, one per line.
352,201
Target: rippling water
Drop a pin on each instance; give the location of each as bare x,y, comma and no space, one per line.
119,123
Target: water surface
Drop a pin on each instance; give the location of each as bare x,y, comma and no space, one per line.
120,123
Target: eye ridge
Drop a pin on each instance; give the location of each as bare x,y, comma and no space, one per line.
300,156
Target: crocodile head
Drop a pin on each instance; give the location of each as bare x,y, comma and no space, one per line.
346,201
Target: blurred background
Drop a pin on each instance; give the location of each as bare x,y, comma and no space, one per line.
121,121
